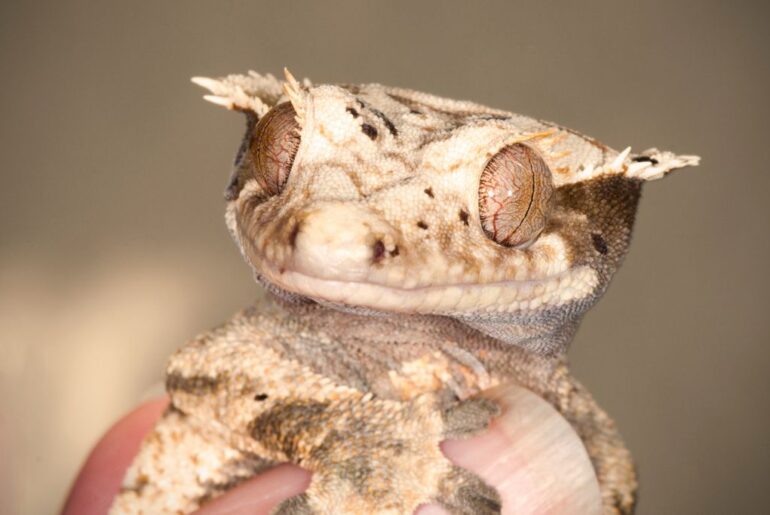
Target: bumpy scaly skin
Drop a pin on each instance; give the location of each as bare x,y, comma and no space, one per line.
389,305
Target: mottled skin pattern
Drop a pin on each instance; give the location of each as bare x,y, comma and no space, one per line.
389,305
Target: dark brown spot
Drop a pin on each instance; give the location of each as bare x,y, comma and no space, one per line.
414,111
141,483
422,225
299,504
194,385
498,117
260,397
285,427
369,131
644,159
395,252
389,124
464,216
176,411
293,235
468,416
352,112
624,505
353,176
356,470
464,492
429,192
599,244
378,251
391,128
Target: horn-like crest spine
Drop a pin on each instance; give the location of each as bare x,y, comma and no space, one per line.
296,95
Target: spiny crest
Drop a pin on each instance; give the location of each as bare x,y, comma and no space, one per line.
296,95
251,92
255,92
653,164
259,93
648,165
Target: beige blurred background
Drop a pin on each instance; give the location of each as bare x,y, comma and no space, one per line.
113,250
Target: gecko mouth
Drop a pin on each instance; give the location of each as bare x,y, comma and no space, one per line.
449,299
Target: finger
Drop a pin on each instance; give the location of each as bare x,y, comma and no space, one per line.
258,496
532,456
99,479
101,475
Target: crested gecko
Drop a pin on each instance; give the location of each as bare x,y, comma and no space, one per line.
415,251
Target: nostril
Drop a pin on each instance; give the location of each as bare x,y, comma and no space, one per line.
293,234
378,251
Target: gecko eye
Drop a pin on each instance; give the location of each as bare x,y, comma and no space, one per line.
273,147
514,195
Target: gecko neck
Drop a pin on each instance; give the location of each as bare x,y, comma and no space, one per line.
414,334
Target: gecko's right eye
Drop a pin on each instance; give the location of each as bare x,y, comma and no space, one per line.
273,147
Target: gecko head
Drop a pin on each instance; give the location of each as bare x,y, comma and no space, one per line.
388,200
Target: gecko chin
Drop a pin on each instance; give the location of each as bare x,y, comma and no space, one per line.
440,299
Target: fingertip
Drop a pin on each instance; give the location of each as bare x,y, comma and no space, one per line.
100,476
259,495
532,456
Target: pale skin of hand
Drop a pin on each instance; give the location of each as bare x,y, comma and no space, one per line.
530,454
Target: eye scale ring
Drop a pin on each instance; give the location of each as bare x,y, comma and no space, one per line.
274,146
514,195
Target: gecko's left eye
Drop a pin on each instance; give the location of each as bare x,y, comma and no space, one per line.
274,146
514,195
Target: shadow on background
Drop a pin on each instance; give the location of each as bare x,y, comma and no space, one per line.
113,250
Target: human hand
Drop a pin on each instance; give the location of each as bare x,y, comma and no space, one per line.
530,454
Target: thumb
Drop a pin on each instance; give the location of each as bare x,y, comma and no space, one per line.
532,456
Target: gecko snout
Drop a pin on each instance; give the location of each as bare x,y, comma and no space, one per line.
342,242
